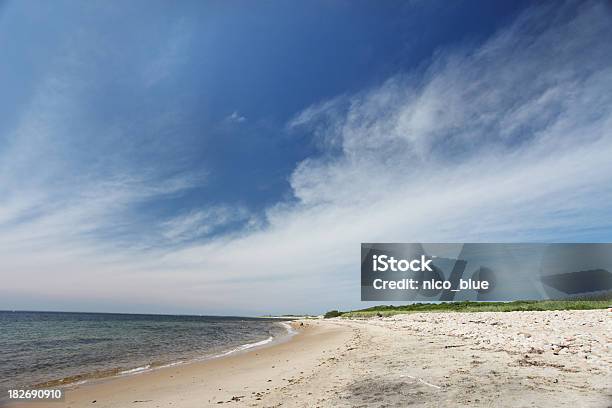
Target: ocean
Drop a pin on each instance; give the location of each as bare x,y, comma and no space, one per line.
40,349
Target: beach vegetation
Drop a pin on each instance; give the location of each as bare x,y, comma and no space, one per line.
332,313
467,306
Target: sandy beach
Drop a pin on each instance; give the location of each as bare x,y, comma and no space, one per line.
512,359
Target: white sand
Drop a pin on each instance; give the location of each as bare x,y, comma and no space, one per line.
516,359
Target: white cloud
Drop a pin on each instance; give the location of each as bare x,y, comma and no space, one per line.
235,117
170,56
196,224
507,142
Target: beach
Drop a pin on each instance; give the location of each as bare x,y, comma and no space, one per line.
488,359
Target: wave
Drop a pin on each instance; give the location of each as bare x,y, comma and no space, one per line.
290,330
246,347
135,370
82,379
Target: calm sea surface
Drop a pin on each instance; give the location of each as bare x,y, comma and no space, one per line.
49,348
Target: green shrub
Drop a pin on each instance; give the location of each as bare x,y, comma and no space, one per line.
332,313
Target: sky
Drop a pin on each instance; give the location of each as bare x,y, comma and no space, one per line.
229,157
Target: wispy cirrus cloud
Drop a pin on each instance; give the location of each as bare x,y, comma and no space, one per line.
202,223
71,186
508,140
170,55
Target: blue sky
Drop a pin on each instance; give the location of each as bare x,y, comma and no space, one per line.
229,157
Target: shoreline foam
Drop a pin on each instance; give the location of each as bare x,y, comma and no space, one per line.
86,378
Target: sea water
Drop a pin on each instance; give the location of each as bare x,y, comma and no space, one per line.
49,349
